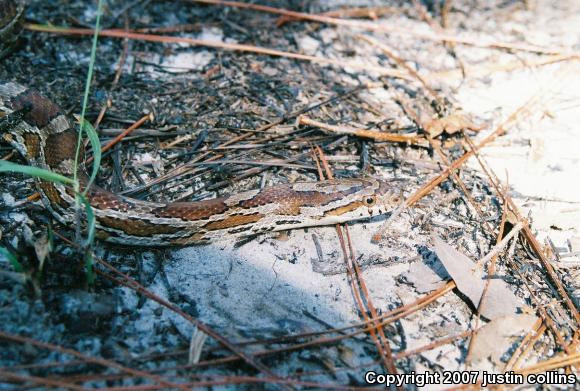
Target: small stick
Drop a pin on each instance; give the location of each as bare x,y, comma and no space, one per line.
358,12
102,113
551,364
9,155
372,134
123,134
500,246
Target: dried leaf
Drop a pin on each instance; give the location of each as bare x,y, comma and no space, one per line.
470,280
196,343
451,124
496,337
425,278
42,248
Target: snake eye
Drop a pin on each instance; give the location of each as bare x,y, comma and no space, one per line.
370,201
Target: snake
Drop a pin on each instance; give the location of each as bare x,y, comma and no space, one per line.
47,138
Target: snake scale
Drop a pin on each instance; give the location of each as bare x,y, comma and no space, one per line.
40,131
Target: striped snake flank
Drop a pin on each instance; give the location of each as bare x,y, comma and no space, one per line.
39,130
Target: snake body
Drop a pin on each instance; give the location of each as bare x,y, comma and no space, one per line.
40,131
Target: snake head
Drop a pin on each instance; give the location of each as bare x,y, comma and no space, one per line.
355,199
383,196
389,194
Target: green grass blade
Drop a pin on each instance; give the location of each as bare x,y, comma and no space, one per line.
88,83
91,221
96,146
12,259
36,172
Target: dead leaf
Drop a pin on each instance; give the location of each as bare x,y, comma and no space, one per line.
196,343
424,278
42,249
451,124
496,337
500,300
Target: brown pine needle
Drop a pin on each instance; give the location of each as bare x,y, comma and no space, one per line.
551,364
125,133
375,135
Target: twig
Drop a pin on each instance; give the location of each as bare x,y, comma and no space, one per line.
553,363
500,246
101,115
126,132
357,12
364,133
526,345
